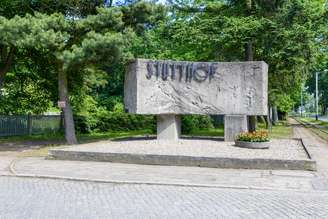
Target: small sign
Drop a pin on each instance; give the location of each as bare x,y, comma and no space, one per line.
61,104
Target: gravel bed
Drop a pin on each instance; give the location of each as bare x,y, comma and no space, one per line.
286,149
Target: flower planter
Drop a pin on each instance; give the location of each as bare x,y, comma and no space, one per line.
253,145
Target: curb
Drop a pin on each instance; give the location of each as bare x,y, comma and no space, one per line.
183,160
307,151
122,182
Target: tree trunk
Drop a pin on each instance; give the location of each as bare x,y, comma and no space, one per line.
67,110
249,51
1,82
274,115
252,120
6,60
266,120
261,119
252,123
269,117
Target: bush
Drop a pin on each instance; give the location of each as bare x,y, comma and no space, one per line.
99,119
113,121
104,121
258,136
193,122
124,122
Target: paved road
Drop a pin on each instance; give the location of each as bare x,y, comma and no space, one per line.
45,198
323,118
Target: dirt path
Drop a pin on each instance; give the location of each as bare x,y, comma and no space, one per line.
318,147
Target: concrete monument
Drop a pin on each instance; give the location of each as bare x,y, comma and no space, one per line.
172,88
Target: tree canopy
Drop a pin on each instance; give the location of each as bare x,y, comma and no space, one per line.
82,47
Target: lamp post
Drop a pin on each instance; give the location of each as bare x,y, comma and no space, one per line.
302,100
316,96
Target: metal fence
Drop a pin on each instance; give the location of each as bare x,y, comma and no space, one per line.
29,124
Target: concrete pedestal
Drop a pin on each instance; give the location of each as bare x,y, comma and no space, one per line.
168,127
233,125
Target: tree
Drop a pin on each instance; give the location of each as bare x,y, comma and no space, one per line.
20,33
91,41
9,49
73,45
282,33
76,8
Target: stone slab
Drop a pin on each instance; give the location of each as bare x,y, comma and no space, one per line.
283,154
171,87
168,127
168,175
234,125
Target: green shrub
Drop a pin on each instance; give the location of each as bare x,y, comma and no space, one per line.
195,122
113,121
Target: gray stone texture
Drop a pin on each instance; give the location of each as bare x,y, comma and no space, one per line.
196,87
253,145
168,127
283,154
233,125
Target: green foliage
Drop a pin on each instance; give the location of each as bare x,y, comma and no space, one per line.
77,8
284,103
93,46
142,15
25,90
38,31
105,121
285,34
189,123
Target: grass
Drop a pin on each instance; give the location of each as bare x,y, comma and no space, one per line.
82,138
313,121
280,130
53,140
208,132
48,137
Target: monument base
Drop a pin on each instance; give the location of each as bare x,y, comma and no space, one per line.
168,127
282,154
233,125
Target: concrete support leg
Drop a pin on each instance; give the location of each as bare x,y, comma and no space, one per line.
168,127
233,125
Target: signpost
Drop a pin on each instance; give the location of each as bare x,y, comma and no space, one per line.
61,104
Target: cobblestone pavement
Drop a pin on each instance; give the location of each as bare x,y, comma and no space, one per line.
130,173
45,198
305,193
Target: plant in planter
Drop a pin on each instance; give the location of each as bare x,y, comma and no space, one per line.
256,140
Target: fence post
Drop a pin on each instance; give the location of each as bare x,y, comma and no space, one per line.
29,124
